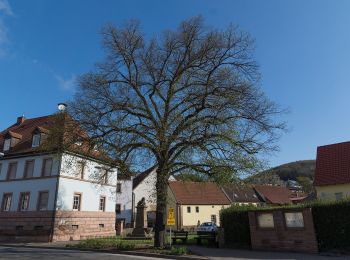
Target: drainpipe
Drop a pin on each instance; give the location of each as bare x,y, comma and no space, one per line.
55,200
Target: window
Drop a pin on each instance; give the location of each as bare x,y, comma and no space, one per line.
76,201
104,176
102,206
118,208
197,209
80,169
47,167
7,144
23,201
38,227
11,172
43,200
6,202
213,218
36,140
338,195
188,209
29,169
119,187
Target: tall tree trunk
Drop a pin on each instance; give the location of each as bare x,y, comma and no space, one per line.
162,187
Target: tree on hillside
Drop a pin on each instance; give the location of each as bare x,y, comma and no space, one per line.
186,101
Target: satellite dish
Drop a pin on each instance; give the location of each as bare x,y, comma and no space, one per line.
62,107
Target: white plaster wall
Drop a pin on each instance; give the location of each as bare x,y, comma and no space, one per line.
69,165
147,189
90,187
33,186
125,199
91,193
37,165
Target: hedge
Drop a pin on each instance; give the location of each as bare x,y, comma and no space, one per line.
332,225
235,222
331,221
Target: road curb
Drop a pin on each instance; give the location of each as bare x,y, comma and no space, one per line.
135,253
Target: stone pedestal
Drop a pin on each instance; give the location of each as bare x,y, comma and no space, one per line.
141,221
119,227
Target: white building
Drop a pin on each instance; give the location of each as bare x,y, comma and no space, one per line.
47,196
124,203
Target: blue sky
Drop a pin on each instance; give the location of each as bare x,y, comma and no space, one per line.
302,47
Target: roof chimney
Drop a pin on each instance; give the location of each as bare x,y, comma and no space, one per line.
20,120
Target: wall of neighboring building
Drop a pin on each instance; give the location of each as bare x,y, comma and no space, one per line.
204,215
147,189
124,198
333,192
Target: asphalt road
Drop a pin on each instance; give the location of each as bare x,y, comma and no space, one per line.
24,253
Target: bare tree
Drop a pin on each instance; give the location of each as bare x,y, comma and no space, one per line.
187,100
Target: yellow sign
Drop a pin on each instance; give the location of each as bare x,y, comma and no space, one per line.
171,217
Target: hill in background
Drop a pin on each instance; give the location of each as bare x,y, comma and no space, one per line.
285,173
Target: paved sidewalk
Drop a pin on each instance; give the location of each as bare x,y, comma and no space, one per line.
234,254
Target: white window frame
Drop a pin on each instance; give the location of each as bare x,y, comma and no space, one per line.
36,140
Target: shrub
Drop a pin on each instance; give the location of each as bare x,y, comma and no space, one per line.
178,251
104,243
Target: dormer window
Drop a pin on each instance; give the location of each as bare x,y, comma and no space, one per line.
36,140
7,144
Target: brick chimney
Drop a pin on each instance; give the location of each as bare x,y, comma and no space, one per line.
20,120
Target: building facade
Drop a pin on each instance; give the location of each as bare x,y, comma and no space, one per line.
47,196
195,203
332,174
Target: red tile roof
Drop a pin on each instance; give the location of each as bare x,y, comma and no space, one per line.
23,132
241,193
274,194
198,193
333,164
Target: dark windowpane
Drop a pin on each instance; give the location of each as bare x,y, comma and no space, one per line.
47,167
43,200
11,173
29,169
24,202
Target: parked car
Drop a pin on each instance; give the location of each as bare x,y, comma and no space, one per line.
207,227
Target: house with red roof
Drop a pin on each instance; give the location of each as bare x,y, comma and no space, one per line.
332,173
196,202
276,195
47,195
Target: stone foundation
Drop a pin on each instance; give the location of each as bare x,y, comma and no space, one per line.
36,226
80,225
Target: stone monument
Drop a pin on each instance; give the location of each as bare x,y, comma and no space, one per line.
141,220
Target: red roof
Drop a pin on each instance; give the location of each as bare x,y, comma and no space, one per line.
23,131
22,134
198,193
274,194
333,164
